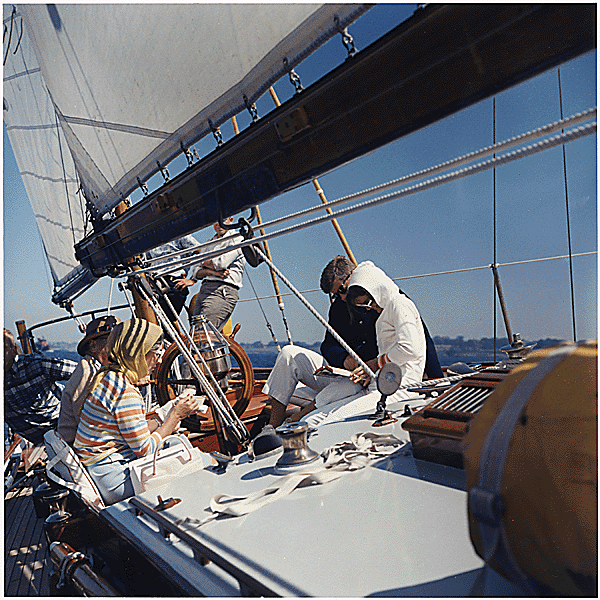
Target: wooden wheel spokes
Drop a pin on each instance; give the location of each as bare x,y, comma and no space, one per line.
170,383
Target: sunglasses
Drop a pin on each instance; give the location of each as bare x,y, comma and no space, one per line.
343,289
367,304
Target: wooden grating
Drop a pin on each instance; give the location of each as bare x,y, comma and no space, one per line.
436,431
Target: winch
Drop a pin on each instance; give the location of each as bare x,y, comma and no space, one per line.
296,452
214,349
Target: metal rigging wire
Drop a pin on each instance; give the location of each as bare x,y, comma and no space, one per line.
567,215
512,156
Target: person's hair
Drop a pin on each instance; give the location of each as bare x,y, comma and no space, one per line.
339,267
157,345
9,334
354,292
127,346
96,345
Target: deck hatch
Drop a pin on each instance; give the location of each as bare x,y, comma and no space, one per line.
437,430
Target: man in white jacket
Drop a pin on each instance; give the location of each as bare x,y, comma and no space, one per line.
400,339
399,328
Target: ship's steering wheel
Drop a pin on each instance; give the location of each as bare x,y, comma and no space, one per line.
239,391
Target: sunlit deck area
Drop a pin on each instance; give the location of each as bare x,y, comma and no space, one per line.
26,560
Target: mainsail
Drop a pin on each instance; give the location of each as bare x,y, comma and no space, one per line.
42,154
97,95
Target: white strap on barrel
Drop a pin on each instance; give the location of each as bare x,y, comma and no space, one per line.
364,449
485,499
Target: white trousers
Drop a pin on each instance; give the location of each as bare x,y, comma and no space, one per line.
364,400
296,366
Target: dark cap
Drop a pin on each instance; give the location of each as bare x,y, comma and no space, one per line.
96,328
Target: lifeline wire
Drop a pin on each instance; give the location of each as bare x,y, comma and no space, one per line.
425,185
452,272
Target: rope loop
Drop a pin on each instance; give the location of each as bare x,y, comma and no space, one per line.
188,154
143,186
164,172
294,79
216,133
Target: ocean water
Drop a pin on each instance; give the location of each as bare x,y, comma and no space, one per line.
449,352
262,360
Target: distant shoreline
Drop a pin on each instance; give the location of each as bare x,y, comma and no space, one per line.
449,350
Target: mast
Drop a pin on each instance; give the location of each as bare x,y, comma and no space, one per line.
323,199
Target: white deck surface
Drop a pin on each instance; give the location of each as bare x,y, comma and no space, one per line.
398,528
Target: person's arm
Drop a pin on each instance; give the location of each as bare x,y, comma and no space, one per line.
359,375
409,340
183,282
131,421
135,430
57,369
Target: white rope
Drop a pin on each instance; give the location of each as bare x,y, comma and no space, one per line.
346,457
488,151
315,313
523,138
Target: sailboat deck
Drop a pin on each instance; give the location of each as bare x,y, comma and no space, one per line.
26,560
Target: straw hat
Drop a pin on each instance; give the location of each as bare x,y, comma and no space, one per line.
96,328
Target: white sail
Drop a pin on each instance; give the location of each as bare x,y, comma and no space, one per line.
132,82
41,153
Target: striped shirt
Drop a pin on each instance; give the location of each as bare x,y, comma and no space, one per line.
113,421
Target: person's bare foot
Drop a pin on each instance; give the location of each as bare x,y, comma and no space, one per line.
300,415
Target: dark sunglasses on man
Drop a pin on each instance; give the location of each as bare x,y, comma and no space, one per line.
343,289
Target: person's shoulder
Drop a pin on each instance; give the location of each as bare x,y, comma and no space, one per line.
338,306
188,241
56,360
403,304
114,380
88,363
233,236
339,311
27,360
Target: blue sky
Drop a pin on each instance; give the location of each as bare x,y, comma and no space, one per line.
446,228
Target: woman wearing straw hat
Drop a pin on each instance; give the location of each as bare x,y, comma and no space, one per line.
113,429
